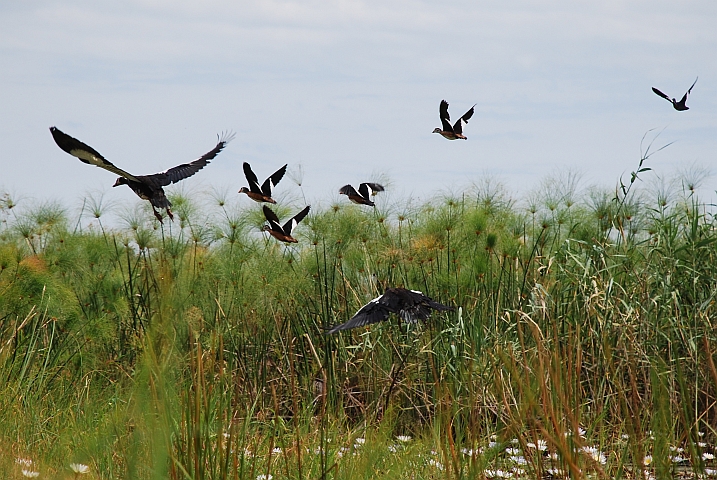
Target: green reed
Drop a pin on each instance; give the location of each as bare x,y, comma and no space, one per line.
196,348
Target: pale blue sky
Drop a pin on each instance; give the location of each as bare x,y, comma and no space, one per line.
350,90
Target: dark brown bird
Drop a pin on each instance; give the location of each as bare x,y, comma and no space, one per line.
282,233
147,187
363,196
410,305
456,131
261,193
679,106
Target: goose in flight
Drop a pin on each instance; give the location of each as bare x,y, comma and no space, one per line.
147,187
410,305
679,106
363,196
261,193
282,233
456,131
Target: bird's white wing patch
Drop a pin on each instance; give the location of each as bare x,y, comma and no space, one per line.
88,157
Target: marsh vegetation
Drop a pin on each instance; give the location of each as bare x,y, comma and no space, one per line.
581,345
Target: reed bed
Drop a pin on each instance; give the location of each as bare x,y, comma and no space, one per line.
580,347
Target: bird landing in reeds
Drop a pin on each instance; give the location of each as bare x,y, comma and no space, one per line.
455,131
681,105
147,187
364,194
410,305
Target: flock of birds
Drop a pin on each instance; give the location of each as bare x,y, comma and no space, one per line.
410,305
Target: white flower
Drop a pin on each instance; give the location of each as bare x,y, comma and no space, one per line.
492,444
30,473
513,451
647,460
360,441
393,448
677,459
264,476
553,456
707,456
25,462
710,472
701,444
403,438
596,454
542,445
497,474
435,463
276,450
520,460
79,468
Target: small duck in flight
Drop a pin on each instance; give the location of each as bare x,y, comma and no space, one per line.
147,187
261,193
282,233
679,106
363,196
410,305
456,131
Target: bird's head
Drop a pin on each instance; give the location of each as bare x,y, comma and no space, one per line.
265,228
243,190
120,181
436,130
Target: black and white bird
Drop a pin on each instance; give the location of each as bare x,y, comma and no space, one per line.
455,131
283,232
679,106
363,196
147,187
261,193
410,305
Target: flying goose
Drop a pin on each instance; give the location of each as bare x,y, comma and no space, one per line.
363,196
410,305
261,193
147,187
456,131
679,106
276,230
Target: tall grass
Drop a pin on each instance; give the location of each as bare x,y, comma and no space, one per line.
197,349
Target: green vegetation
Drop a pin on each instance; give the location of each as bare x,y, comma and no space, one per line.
197,350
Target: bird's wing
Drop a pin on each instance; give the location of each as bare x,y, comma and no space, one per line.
186,170
417,306
443,111
272,219
272,181
445,117
458,127
348,190
291,224
251,178
661,94
85,153
372,312
367,189
693,84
